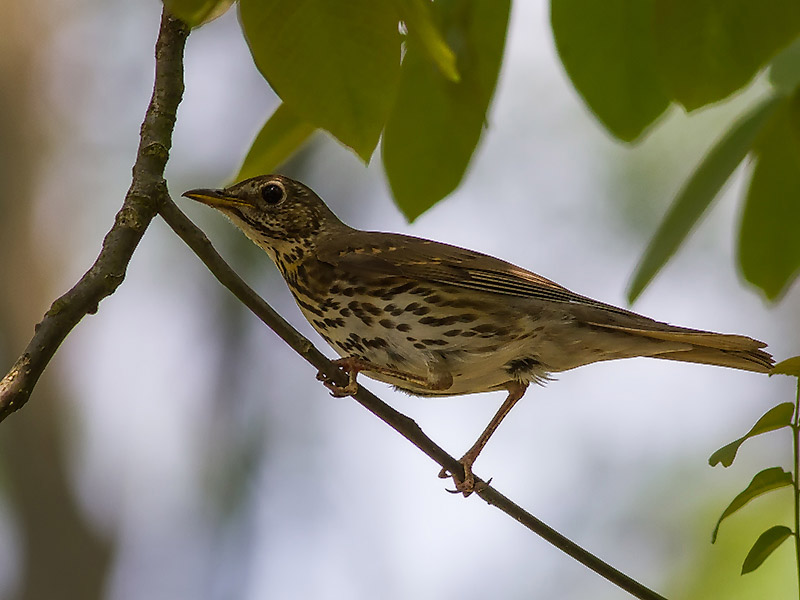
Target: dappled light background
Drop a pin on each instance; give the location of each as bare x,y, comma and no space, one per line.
203,459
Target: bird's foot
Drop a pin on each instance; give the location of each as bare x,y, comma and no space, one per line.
469,484
351,366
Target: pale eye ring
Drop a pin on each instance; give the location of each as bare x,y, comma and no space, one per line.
273,193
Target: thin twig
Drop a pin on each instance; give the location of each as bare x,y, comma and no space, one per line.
405,426
138,209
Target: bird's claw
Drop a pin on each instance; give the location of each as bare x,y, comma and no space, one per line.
336,390
469,484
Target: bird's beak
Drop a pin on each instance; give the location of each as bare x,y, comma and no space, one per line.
215,198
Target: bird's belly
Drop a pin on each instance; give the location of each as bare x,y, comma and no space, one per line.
469,349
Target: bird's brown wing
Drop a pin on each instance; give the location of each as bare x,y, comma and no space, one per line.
426,260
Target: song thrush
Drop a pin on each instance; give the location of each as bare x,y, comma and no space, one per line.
438,320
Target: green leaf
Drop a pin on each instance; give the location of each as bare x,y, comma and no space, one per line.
765,481
790,366
335,64
708,49
699,191
279,138
765,545
784,73
417,17
436,123
197,12
769,238
776,417
608,51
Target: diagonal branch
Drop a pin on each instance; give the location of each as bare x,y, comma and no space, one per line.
405,426
138,209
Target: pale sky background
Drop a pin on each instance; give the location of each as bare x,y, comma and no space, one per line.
237,476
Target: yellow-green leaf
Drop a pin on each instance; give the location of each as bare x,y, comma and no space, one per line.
436,123
708,49
784,72
765,545
335,64
769,239
699,191
279,138
608,52
197,12
417,17
763,482
776,417
790,366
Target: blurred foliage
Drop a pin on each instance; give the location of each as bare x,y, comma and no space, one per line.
629,59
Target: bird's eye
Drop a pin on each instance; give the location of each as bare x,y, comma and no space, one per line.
272,193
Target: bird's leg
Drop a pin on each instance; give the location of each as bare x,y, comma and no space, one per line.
467,486
352,365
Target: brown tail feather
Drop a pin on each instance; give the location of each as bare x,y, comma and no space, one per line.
735,351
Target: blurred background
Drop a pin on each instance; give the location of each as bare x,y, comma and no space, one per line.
177,449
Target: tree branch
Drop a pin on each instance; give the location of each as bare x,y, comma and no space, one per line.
408,428
138,209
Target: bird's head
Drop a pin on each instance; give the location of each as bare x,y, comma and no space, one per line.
272,210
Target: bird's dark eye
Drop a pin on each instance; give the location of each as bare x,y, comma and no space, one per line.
272,193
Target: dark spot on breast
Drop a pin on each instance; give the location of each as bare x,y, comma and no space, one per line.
434,299
345,312
388,323
443,322
371,308
400,289
420,346
376,343
434,342
404,327
451,333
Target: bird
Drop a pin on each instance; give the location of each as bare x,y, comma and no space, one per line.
434,319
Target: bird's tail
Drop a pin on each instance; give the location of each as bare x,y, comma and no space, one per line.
735,351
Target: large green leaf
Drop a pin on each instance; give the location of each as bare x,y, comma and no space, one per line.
765,545
698,192
763,482
608,52
335,64
776,417
416,15
279,138
769,240
784,72
436,123
708,49
197,12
